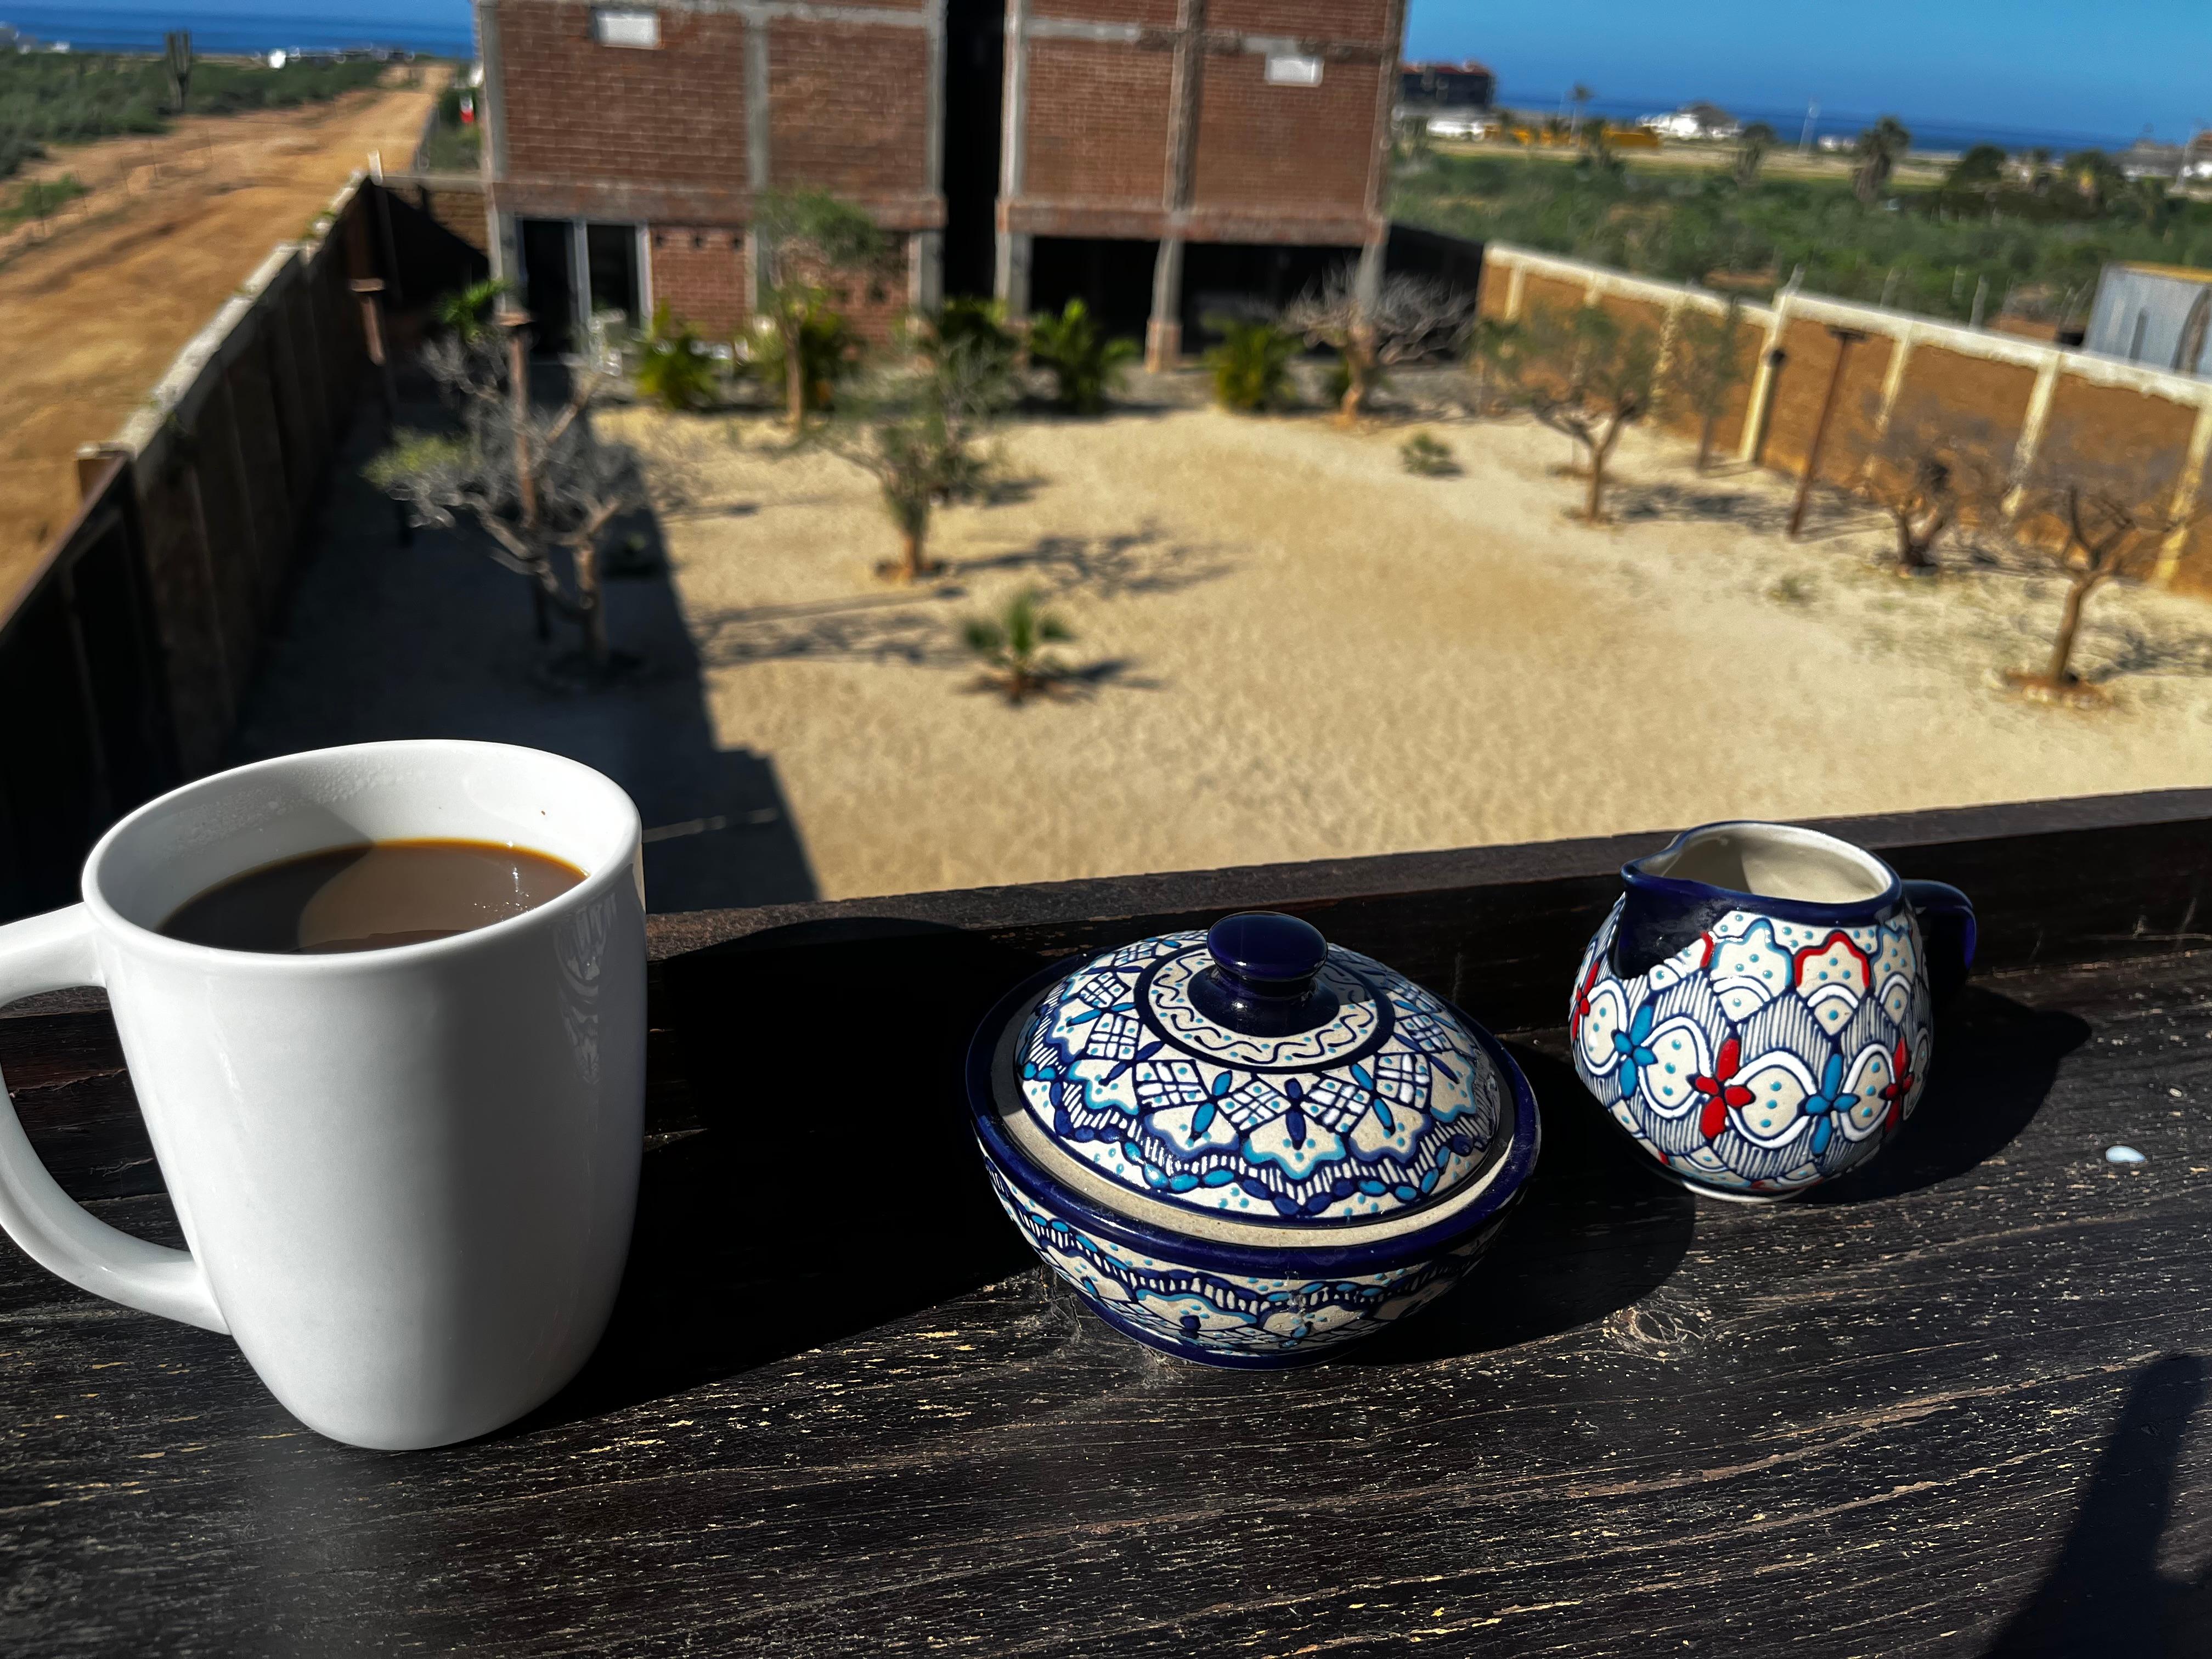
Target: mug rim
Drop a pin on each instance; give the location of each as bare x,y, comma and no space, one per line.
182,952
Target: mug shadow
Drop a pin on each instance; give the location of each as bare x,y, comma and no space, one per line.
2105,1593
831,1184
1597,1231
1995,1061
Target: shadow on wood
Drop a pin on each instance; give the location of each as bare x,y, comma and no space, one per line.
832,1185
1994,1062
1597,1231
2105,1593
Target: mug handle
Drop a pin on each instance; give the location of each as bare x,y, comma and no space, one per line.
1947,925
54,952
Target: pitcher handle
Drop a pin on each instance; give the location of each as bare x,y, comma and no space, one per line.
1947,928
54,952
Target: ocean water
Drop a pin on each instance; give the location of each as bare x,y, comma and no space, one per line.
97,29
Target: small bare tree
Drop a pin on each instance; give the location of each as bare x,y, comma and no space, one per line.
1930,469
2098,514
917,432
536,482
1704,366
1586,374
1409,318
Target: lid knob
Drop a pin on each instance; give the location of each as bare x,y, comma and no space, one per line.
1264,978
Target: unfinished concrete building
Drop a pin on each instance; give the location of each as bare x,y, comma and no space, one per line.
1162,159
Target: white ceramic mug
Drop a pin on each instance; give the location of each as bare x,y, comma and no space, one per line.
406,1176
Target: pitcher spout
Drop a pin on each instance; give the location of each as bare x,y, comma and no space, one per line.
1679,892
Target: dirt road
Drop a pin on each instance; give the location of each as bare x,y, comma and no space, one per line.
95,304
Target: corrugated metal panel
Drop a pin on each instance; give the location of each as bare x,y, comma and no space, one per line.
2154,318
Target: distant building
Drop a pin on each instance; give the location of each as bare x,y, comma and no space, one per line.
1440,86
2157,315
2148,159
1162,170
1694,121
2197,157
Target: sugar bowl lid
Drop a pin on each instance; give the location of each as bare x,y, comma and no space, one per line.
1256,1073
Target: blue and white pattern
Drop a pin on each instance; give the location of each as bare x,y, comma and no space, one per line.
1388,1105
1765,1055
1228,1318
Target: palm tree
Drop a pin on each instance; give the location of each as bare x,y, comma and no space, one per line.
466,313
1086,366
1880,148
1752,145
1579,96
1011,645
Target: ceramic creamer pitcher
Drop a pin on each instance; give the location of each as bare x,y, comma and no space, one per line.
1758,1010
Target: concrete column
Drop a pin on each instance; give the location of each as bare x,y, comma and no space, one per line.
1517,289
1164,333
2188,491
1010,277
491,150
1373,255
758,139
1186,84
926,268
2031,434
1892,382
1762,384
925,271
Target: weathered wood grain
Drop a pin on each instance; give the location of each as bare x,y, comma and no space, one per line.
1951,1405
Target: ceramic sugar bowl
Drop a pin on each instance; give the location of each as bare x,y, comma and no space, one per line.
1758,1010
1247,1147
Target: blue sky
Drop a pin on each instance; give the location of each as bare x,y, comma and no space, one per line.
2098,66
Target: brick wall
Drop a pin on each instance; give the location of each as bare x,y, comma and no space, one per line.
849,108
1991,397
1801,388
1982,385
1348,21
1307,149
1152,14
576,109
700,270
1097,122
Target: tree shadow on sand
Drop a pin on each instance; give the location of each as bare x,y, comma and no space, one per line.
1828,514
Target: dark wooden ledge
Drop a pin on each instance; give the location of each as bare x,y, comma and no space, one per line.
1950,1406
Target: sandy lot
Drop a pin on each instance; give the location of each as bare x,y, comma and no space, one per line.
95,306
1297,651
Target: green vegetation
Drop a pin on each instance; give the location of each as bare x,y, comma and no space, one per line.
1425,458
42,199
1251,367
1011,645
1085,365
50,98
2038,241
674,368
805,237
468,312
1703,368
829,352
451,146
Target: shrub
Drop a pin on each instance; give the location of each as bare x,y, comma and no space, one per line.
42,199
828,353
1251,366
1011,646
1086,367
1425,458
673,367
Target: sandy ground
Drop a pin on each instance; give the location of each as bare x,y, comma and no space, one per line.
94,304
1294,650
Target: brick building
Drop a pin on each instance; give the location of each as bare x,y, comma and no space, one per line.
1161,158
